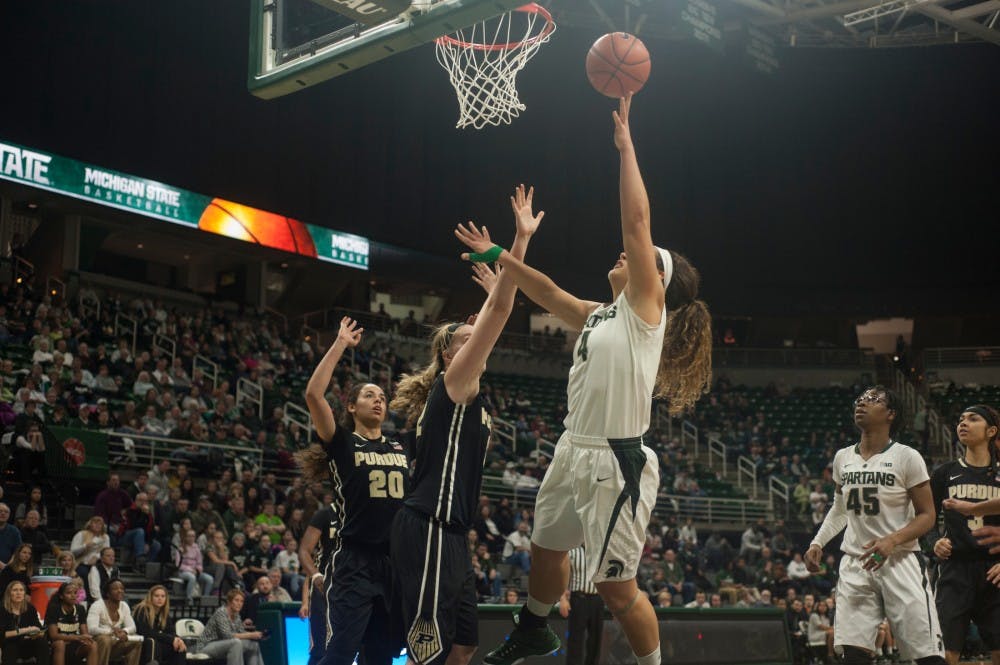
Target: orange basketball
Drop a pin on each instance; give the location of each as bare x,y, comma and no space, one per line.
617,64
242,222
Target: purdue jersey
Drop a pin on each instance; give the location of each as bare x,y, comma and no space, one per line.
610,390
876,493
369,482
958,480
327,521
450,452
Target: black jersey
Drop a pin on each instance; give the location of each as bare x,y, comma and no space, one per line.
450,453
369,483
327,521
958,480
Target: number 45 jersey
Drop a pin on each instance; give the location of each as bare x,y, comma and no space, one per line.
369,478
959,480
876,493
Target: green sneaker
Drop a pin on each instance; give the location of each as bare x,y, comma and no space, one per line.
523,643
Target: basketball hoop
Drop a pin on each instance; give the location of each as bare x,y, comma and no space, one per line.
483,62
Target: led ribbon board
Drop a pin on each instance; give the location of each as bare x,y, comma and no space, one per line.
172,204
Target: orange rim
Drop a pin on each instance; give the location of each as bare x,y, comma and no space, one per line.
530,8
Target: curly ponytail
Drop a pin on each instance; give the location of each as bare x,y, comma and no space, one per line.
685,370
413,389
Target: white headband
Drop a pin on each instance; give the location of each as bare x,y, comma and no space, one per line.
668,266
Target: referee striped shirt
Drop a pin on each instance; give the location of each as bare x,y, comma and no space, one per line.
578,580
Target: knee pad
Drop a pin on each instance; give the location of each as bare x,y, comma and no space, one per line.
856,656
930,660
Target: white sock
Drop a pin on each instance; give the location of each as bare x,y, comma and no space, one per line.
537,607
649,659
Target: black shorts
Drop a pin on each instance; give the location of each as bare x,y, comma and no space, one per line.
435,587
358,608
319,626
963,594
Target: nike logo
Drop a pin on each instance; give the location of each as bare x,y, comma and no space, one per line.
954,477
360,445
849,464
601,480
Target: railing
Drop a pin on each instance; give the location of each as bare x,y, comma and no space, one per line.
506,431
278,315
969,355
55,287
779,490
208,367
662,420
373,365
826,358
746,467
142,452
165,345
23,269
250,391
712,509
299,415
311,335
689,434
716,448
126,326
90,309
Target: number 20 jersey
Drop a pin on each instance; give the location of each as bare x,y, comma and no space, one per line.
369,478
876,493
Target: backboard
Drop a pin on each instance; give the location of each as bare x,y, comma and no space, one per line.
298,43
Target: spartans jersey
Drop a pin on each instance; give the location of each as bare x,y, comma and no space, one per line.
958,480
450,453
875,493
327,521
615,360
369,482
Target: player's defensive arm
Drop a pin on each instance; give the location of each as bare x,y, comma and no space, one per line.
533,283
348,337
970,509
645,286
461,379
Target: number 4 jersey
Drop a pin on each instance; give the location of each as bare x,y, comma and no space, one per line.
369,478
876,493
959,480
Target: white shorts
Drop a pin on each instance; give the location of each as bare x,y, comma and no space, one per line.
900,592
600,494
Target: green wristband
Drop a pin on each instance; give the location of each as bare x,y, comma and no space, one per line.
489,256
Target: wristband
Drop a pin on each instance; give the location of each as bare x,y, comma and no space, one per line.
315,575
489,256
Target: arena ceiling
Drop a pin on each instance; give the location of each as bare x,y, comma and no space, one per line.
845,180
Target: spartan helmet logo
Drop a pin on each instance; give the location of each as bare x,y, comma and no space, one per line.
615,568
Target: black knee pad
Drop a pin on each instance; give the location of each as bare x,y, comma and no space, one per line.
930,660
856,656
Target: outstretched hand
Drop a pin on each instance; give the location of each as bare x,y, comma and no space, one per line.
484,276
623,136
478,240
527,222
349,333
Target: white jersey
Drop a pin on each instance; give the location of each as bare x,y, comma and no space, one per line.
875,493
615,360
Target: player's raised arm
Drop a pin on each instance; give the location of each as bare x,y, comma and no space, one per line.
533,283
645,284
462,376
348,337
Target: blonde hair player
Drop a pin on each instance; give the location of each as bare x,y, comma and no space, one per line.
654,338
884,499
435,583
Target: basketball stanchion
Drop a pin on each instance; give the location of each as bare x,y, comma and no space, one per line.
483,62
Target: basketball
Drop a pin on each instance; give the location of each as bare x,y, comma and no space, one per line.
617,64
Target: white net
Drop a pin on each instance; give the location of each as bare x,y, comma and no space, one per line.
483,62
